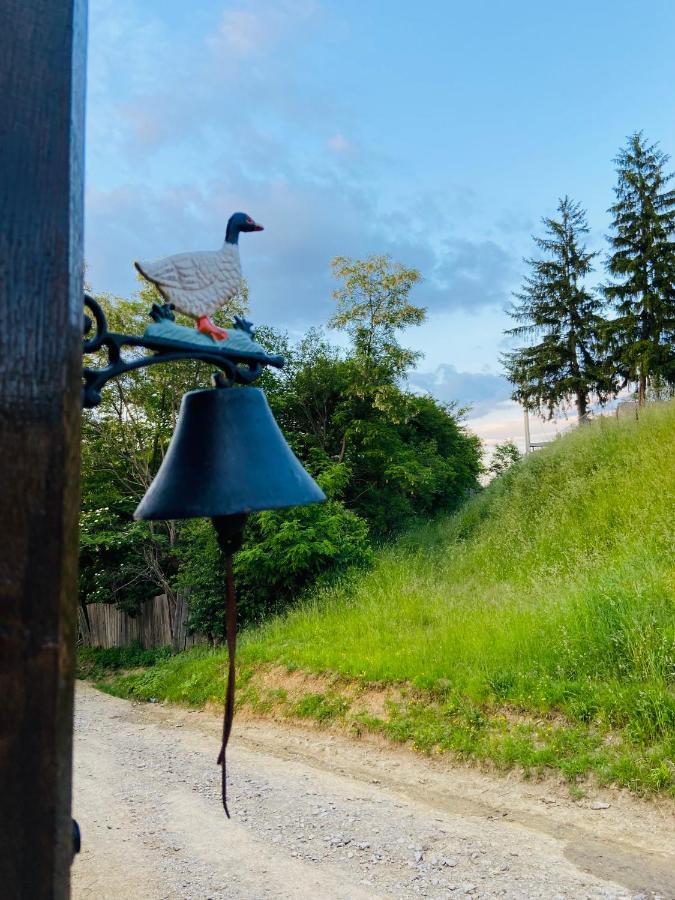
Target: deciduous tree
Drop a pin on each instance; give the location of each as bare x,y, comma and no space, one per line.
373,305
382,454
503,457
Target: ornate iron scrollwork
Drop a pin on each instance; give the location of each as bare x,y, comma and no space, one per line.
240,359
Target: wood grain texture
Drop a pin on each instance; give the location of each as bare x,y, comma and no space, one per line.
160,623
42,56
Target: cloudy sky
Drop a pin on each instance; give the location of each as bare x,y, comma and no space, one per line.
439,132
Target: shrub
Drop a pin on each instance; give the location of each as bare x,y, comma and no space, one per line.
284,552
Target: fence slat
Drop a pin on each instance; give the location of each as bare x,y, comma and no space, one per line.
161,623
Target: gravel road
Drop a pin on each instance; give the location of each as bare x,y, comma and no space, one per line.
318,815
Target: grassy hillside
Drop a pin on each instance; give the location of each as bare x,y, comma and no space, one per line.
535,627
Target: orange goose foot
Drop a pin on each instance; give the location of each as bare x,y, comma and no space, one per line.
206,326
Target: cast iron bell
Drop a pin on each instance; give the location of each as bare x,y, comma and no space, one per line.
227,457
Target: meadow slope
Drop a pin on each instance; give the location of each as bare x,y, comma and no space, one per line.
534,628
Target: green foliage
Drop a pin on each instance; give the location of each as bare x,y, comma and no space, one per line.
411,458
503,457
563,317
383,456
96,663
642,334
321,707
284,552
536,624
574,353
113,564
372,306
123,443
406,455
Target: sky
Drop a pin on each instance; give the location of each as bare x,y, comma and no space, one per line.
437,132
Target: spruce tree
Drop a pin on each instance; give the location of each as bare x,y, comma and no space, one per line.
562,319
643,264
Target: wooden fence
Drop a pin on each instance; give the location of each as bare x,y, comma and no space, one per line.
161,623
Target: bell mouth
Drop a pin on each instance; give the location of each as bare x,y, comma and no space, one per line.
227,457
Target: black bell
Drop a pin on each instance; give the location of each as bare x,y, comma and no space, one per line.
227,457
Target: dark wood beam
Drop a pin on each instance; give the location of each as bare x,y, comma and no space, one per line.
42,55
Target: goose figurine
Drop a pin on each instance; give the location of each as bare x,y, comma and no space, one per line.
199,283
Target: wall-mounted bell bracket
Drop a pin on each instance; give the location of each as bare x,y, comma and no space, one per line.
240,358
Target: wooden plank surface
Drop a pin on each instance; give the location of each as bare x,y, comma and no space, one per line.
41,164
161,623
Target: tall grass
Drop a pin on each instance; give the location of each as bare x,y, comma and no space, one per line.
561,569
553,590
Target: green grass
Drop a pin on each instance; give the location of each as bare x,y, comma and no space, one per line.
536,627
95,663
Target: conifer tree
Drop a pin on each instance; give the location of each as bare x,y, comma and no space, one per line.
562,319
643,264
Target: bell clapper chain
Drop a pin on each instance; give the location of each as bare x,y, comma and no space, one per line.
230,531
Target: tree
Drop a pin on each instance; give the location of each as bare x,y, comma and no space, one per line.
405,455
373,306
565,364
382,455
643,263
408,455
503,457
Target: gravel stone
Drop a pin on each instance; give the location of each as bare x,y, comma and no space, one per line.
146,796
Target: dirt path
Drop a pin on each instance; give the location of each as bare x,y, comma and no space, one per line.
320,816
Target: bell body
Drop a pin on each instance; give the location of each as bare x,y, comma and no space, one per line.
227,457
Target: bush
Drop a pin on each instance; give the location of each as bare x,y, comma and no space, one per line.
283,553
96,662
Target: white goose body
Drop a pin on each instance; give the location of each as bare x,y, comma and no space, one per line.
199,283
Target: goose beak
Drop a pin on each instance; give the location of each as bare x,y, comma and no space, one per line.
258,227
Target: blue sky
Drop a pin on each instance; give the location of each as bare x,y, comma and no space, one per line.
438,132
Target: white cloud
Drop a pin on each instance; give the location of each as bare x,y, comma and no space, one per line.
184,129
241,32
480,391
252,29
475,273
339,144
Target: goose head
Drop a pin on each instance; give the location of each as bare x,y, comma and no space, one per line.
237,223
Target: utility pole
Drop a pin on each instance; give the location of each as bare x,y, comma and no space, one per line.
42,57
528,446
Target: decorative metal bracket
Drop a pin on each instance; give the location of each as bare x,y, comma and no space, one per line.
240,359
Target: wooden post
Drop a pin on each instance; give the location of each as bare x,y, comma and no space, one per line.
42,50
